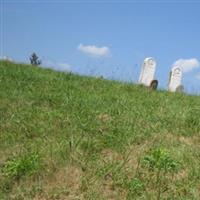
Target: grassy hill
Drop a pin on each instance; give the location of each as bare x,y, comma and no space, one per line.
64,136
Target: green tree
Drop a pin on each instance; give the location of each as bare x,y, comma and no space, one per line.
34,59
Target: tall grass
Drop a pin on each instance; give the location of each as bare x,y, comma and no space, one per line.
64,136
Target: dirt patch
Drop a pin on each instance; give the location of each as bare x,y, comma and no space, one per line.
111,192
110,155
64,184
104,117
189,140
182,174
8,153
135,152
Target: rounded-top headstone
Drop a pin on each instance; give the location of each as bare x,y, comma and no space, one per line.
175,79
147,71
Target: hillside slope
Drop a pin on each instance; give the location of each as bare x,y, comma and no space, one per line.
63,136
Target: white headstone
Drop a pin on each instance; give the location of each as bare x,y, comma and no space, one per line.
175,79
147,71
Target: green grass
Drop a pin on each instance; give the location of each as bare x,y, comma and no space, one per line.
64,136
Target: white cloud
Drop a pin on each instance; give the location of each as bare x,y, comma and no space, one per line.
56,66
6,58
63,67
198,76
187,65
95,51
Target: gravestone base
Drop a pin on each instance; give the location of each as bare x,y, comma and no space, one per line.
180,89
154,85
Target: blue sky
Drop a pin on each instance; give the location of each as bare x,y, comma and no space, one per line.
109,38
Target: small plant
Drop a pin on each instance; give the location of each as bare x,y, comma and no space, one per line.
160,162
19,166
159,159
135,186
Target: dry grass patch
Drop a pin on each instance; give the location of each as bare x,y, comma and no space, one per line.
134,154
192,140
111,192
109,155
182,174
63,184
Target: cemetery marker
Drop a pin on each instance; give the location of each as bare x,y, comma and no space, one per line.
175,80
147,73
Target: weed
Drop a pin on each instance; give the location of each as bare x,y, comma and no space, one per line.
17,167
160,161
135,187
